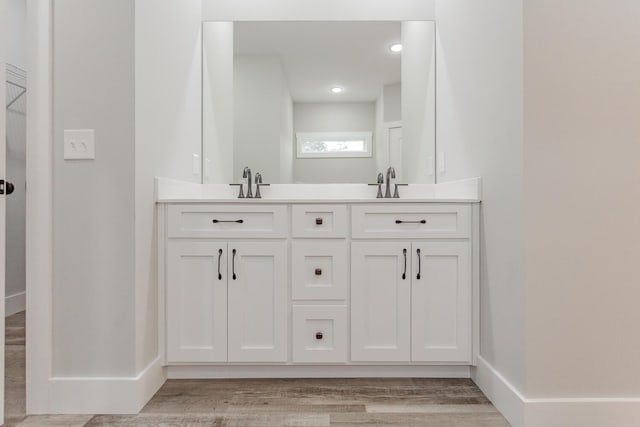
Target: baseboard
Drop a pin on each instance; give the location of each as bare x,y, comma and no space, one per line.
106,395
553,412
15,303
316,371
504,396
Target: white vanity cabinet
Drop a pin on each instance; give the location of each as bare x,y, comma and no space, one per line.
346,283
226,300
411,294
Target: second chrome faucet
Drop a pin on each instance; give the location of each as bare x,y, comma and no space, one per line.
246,174
391,174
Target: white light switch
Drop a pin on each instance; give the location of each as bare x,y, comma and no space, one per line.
79,144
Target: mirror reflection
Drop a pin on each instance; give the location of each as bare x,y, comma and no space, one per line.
318,102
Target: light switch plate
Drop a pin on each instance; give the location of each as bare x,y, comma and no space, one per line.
79,144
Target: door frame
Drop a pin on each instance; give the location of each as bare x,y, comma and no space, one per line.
3,132
39,205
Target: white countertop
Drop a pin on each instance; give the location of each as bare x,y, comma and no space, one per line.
173,191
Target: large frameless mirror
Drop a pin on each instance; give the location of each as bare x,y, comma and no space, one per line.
318,102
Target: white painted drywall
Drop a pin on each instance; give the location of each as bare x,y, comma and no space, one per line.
312,10
479,127
16,12
418,101
168,95
16,32
334,117
582,198
287,137
93,206
259,93
392,102
217,102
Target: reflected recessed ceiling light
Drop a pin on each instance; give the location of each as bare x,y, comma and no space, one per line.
395,48
337,89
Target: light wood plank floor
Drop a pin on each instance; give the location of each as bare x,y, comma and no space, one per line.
281,402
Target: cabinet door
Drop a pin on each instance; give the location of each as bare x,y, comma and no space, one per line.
257,302
441,302
380,301
196,302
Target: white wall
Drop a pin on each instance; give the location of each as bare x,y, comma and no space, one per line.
418,101
392,102
168,100
217,102
15,33
287,137
260,90
312,10
582,198
334,117
93,205
479,127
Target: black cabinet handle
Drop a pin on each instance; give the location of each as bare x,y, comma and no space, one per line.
404,275
422,221
318,221
239,221
319,335
233,265
419,264
318,271
219,258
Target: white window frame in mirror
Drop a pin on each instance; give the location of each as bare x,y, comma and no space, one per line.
302,137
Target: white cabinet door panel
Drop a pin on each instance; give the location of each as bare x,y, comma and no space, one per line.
257,302
380,301
441,302
196,302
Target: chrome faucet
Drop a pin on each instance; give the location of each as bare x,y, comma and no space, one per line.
380,182
246,173
391,173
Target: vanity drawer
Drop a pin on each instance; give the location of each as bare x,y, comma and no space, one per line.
320,270
229,221
320,333
413,221
319,221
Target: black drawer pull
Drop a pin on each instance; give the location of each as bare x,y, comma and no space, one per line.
318,221
233,265
422,221
404,275
239,221
319,335
318,271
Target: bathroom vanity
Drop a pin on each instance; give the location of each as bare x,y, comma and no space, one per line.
319,277
335,278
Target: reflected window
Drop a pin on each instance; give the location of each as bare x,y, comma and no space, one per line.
334,144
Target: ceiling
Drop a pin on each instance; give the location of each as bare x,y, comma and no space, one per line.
319,55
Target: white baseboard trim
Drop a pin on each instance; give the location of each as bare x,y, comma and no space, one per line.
106,395
316,371
15,303
504,396
554,412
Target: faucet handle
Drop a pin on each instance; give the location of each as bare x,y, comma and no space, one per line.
379,184
241,194
395,192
